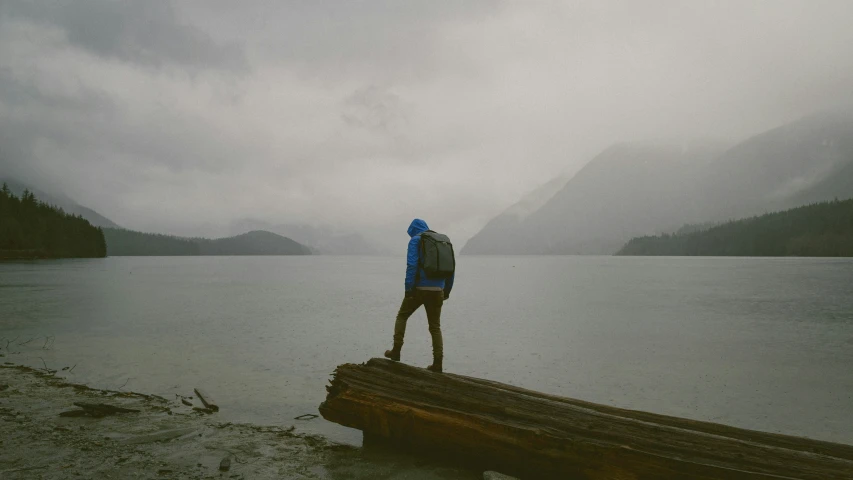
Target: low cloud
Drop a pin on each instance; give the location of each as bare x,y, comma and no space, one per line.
185,116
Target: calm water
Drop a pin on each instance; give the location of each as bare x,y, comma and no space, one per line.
757,343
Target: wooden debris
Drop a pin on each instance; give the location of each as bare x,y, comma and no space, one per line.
307,416
109,409
96,410
206,399
186,402
534,435
162,436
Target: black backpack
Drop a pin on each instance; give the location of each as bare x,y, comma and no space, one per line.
437,257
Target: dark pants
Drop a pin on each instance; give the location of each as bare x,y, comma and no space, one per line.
432,302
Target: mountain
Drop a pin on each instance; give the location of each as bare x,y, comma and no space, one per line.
818,230
257,242
508,224
617,195
61,201
322,239
808,160
632,190
837,184
129,243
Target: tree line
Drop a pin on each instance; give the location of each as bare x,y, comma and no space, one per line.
822,229
30,228
123,242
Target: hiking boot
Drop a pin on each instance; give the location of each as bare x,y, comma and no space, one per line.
393,354
435,367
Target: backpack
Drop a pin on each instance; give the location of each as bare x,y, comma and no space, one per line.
437,258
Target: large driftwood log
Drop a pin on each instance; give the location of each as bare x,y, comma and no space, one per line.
534,435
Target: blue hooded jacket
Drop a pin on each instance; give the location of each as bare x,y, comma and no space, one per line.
413,257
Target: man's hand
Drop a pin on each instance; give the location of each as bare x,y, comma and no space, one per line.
446,296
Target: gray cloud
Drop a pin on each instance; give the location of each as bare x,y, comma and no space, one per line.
170,116
143,32
374,108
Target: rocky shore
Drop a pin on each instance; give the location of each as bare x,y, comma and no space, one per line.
109,434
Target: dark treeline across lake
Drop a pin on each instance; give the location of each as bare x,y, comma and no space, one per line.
30,228
128,243
818,230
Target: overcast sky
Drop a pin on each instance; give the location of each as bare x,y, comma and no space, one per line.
183,116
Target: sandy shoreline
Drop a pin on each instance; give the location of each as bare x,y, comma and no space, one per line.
166,439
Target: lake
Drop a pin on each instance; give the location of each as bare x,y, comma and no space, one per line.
765,344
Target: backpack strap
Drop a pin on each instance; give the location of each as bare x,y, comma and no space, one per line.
420,262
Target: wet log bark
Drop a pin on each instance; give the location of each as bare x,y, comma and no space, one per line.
534,435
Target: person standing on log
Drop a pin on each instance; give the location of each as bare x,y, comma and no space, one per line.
430,271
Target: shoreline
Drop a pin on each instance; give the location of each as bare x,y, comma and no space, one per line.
163,438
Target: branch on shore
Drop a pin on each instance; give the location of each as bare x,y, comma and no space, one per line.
49,371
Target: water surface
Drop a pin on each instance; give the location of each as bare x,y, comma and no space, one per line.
765,344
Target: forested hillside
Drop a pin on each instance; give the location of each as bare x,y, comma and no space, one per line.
59,200
817,230
122,242
30,228
132,244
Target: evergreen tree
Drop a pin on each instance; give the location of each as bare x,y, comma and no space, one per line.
33,229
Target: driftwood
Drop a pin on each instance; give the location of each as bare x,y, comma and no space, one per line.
161,436
206,399
534,435
96,410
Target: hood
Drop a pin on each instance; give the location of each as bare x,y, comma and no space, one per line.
417,227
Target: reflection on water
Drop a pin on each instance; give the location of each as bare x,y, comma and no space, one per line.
756,343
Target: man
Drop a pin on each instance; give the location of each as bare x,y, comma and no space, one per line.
420,290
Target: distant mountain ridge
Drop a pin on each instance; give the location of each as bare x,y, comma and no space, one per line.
323,240
637,189
257,242
782,168
122,242
623,189
61,201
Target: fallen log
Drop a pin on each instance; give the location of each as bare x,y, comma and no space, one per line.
534,435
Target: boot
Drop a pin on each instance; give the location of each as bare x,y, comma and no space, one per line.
436,365
394,353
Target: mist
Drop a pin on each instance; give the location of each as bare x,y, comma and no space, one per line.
186,117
